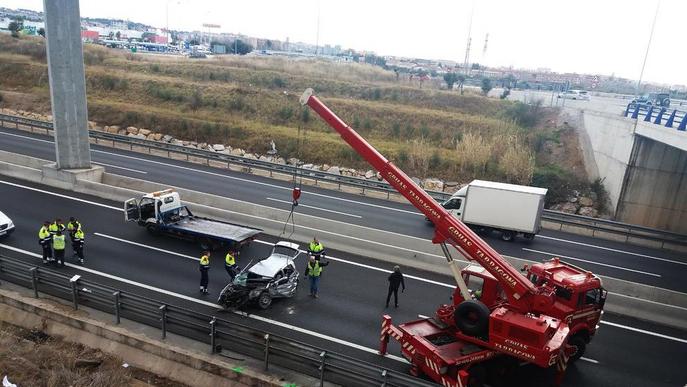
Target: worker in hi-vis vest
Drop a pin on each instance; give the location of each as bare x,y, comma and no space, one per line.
230,265
314,271
45,240
58,245
204,268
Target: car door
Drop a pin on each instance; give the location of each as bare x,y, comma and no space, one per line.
455,207
132,213
286,285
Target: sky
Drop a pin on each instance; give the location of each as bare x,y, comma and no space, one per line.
584,36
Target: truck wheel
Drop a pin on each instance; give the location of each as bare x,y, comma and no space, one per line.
153,230
265,300
472,318
478,375
507,235
576,347
528,236
207,244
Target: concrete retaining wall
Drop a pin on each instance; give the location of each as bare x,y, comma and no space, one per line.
655,304
181,364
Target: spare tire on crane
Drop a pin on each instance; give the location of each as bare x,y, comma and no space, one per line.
472,318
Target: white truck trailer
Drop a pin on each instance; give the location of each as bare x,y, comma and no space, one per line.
508,208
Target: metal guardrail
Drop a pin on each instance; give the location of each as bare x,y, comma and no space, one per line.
625,230
218,333
658,115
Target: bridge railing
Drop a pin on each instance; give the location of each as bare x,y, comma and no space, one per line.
594,225
218,333
670,118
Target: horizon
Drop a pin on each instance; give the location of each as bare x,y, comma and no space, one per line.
614,46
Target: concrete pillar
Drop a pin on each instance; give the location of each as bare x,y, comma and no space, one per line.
67,83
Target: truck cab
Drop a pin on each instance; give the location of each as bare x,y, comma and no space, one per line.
154,207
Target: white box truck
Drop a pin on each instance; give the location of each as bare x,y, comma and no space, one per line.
508,208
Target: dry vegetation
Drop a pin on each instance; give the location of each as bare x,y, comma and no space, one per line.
31,358
245,102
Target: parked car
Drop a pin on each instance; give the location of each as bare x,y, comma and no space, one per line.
575,94
6,225
657,99
273,277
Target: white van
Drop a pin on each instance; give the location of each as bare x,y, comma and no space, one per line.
582,95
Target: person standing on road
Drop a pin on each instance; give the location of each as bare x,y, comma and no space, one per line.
204,268
56,226
395,281
316,249
72,227
45,240
314,271
58,245
78,241
230,265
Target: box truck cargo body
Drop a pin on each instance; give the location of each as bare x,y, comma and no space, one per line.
508,208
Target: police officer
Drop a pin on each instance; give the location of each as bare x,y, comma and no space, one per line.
58,245
204,267
316,248
230,265
78,241
56,226
45,239
73,226
314,271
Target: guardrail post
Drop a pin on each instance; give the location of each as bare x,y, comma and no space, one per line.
647,118
683,123
267,350
117,306
213,332
659,116
323,355
627,110
635,114
75,291
384,373
34,281
163,320
671,119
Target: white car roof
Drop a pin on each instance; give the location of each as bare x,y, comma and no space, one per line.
270,266
4,219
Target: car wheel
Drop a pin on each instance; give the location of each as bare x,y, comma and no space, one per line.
265,300
507,235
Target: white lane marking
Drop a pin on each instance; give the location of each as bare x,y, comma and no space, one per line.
254,182
591,262
146,246
118,167
26,137
590,360
313,207
679,340
372,267
614,250
61,196
321,231
422,316
213,305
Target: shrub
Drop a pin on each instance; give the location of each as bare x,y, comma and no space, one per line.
285,113
435,161
278,82
525,115
155,68
396,130
305,115
557,180
196,100
602,198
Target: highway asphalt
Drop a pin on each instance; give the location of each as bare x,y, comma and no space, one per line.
614,259
626,352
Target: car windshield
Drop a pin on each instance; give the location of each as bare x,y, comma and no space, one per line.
286,251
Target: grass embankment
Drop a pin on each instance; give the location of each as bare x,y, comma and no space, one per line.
246,102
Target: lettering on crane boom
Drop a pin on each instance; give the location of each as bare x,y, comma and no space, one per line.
488,261
514,351
427,207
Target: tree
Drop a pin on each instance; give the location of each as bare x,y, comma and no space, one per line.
450,79
110,35
15,26
240,47
118,35
461,81
41,32
486,85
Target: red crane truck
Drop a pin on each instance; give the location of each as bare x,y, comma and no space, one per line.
545,316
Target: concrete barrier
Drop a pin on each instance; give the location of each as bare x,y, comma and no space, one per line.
640,301
176,358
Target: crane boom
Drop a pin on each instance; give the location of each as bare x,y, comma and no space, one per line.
519,290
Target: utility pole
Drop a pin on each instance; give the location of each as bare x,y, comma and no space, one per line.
648,45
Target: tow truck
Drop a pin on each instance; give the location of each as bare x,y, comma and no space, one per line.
161,212
545,316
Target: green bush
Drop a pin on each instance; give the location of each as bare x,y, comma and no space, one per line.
305,115
558,181
285,113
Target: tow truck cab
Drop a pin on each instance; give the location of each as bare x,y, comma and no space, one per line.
152,205
579,299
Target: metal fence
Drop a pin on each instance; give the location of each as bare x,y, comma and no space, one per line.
217,333
658,115
626,231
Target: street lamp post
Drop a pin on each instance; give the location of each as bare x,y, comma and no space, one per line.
648,46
